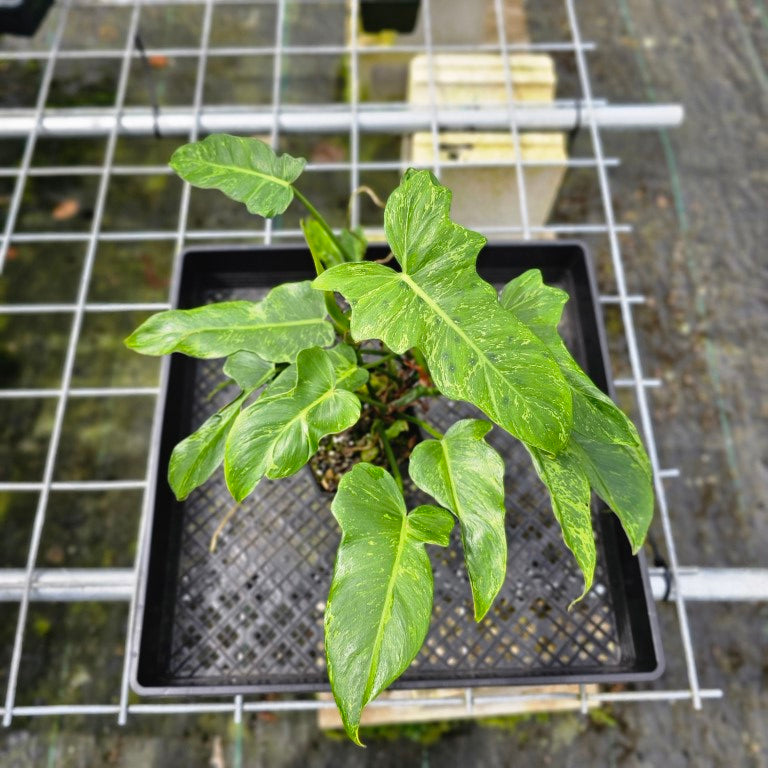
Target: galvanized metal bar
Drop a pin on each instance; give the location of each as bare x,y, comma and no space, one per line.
322,118
274,139
512,118
238,51
384,165
277,74
632,383
634,352
434,123
55,309
291,234
67,372
47,394
353,10
142,549
584,708
31,135
68,584
74,485
313,705
711,585
632,299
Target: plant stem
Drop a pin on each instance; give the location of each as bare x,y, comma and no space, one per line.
421,360
368,387
319,268
379,427
320,220
340,320
373,401
337,316
426,426
415,394
383,359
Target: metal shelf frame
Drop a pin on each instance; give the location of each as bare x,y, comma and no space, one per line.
22,586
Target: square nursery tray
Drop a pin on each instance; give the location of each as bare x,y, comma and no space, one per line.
249,618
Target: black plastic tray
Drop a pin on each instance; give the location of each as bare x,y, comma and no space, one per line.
378,15
22,17
249,618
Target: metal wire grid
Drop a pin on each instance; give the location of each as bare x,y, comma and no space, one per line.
121,584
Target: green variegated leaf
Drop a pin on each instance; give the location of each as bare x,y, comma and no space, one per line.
277,435
476,350
248,370
380,602
290,318
621,476
342,357
466,476
247,170
349,246
196,457
604,443
571,496
353,244
537,305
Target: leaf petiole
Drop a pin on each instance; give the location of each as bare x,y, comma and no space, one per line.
373,401
339,319
379,352
320,220
378,426
415,394
421,361
383,359
426,426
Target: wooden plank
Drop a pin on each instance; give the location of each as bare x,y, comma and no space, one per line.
394,706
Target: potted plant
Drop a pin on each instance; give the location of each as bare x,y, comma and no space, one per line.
417,324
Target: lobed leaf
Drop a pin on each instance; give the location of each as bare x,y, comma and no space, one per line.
349,246
380,601
196,457
464,474
245,169
475,349
290,318
571,497
248,370
276,435
604,446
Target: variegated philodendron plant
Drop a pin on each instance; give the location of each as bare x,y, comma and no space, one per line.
299,363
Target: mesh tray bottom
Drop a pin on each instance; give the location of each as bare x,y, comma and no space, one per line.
249,618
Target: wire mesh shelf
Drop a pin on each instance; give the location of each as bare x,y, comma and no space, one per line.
145,103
